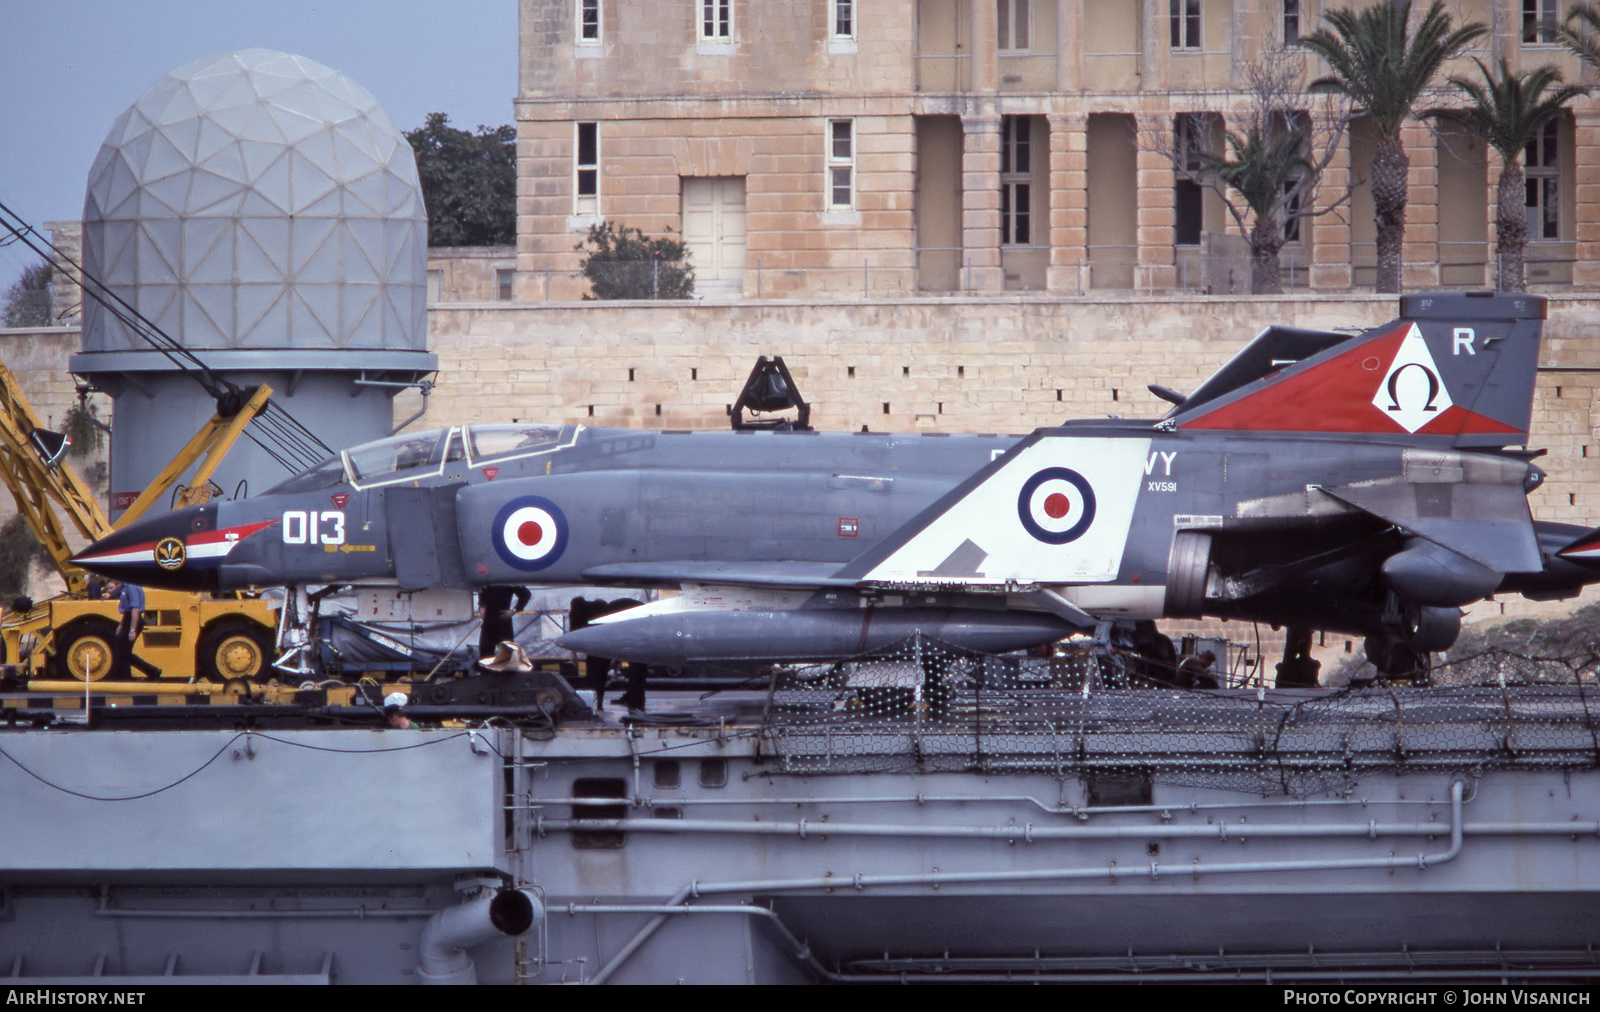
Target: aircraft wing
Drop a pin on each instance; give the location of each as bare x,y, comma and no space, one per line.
797,575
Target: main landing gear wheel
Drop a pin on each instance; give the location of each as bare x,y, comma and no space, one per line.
1397,661
235,651
84,651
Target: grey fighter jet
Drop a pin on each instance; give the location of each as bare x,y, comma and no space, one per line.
1370,484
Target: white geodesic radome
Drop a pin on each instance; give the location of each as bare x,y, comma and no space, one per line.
258,200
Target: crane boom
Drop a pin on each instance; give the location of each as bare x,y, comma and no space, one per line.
48,494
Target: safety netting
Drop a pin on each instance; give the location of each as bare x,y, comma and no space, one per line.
928,706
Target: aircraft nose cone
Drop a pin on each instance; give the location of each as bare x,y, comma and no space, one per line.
157,552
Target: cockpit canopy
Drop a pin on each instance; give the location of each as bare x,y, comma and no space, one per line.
413,455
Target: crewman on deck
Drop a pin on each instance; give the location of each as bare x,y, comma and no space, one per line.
130,623
1195,672
497,611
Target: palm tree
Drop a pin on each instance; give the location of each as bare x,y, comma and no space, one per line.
1384,67
1580,32
1268,169
1509,111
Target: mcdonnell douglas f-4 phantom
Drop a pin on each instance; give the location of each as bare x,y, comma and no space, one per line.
1370,484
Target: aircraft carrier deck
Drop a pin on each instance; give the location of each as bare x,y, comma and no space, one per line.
842,825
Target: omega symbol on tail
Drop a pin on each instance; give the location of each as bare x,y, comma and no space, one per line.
529,533
1411,393
1056,505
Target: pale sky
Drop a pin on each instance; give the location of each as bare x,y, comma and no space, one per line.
70,67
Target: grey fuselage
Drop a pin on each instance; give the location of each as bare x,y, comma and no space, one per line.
790,511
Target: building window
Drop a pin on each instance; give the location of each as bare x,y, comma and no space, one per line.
1291,214
502,283
841,164
1539,18
588,169
1298,122
1543,167
1185,24
1016,181
1015,22
588,21
1189,132
1291,22
716,20
844,19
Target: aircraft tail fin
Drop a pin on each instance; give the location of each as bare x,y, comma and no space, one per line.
1456,367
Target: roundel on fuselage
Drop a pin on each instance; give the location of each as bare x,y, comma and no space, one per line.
529,533
1056,505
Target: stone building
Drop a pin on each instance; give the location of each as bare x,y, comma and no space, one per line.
833,148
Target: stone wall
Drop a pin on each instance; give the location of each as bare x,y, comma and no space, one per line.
66,295
468,273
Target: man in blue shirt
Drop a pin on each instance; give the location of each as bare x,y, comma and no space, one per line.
130,623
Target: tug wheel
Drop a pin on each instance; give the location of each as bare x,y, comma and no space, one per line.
84,651
235,651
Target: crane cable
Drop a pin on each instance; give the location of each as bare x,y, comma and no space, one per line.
293,445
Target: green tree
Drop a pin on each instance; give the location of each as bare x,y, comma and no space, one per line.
1383,65
624,263
19,550
27,301
469,182
82,424
1509,111
1580,32
1272,157
1266,167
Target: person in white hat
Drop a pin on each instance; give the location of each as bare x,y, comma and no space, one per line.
394,705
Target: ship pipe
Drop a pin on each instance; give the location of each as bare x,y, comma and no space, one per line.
1153,870
450,933
1028,833
1076,811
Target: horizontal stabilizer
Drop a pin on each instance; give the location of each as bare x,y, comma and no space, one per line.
1489,524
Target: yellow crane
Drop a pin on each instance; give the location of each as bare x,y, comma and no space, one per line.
186,634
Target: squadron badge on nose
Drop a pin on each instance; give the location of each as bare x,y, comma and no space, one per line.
170,553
